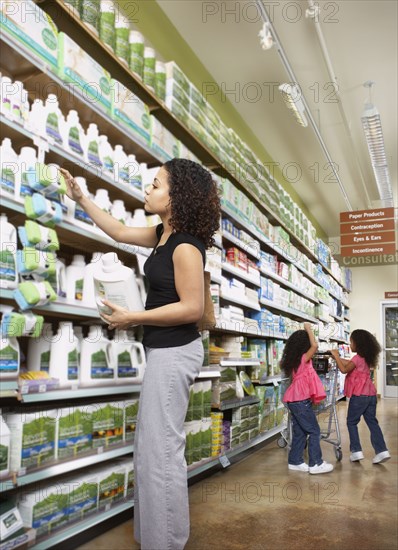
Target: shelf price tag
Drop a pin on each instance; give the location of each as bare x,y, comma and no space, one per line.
42,388
224,461
107,507
275,383
100,450
21,472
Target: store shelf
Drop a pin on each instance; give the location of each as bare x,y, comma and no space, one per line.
215,278
80,393
288,284
8,388
293,312
235,403
244,275
245,247
20,542
239,362
199,467
64,534
249,330
240,301
268,380
209,372
56,154
69,466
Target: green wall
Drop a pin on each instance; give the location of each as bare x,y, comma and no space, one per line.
148,18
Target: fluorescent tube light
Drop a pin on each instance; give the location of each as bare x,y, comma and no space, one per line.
292,97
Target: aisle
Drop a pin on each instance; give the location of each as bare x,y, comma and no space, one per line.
258,504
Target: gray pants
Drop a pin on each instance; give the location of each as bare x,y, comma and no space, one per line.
161,508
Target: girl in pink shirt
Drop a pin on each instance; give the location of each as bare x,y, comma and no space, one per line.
306,388
360,389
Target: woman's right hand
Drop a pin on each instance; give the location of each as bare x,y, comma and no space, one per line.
73,190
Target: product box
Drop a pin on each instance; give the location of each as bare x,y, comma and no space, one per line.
129,480
177,109
77,67
130,111
74,432
32,438
130,419
111,484
206,437
162,142
44,509
82,496
107,423
32,27
173,89
175,73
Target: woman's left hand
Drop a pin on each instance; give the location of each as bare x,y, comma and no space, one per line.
120,318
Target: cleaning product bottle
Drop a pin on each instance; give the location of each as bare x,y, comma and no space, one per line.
37,118
160,80
8,247
54,120
5,440
118,210
89,14
74,279
107,23
74,134
97,364
6,91
135,178
75,211
136,53
116,283
9,358
149,68
10,172
129,357
120,166
64,355
39,350
58,279
28,162
122,30
102,200
73,6
106,154
16,102
91,145
88,281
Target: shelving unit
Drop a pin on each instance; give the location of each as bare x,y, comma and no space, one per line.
22,64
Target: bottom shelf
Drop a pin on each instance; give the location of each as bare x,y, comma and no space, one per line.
68,532
208,463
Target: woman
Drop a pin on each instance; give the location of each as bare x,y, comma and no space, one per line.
185,197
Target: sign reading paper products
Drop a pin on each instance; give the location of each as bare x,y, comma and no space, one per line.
367,232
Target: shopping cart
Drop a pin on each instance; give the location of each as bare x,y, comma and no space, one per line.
326,368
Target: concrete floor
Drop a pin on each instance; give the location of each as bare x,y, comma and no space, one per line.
258,504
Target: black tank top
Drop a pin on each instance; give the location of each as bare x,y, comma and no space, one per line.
159,270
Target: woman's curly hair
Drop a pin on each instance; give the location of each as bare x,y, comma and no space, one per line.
194,198
296,345
366,346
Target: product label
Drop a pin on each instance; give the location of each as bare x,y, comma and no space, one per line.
160,85
136,58
99,366
149,73
8,360
6,105
125,367
111,489
122,43
73,365
3,458
7,181
45,361
93,154
25,187
38,442
108,164
79,289
82,216
107,28
74,140
52,128
89,12
82,500
7,266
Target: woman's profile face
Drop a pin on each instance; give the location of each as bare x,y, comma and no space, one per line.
157,198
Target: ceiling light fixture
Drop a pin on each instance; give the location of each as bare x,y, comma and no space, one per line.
292,97
371,123
266,39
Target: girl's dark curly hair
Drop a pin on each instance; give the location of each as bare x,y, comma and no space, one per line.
296,345
366,346
194,198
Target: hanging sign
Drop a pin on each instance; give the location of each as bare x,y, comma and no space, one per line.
367,232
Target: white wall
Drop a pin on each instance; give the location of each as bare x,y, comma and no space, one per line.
368,287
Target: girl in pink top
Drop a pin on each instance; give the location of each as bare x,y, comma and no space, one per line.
360,389
306,388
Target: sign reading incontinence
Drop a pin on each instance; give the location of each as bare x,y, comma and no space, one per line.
367,232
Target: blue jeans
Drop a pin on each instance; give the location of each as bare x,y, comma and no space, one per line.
304,423
364,405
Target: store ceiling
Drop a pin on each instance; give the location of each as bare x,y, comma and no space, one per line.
361,38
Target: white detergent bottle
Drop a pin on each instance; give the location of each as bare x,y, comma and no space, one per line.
91,145
129,357
58,280
16,102
117,283
54,120
10,358
106,154
10,170
64,355
74,279
8,247
5,448
102,200
37,119
88,280
135,178
39,350
6,91
120,166
118,211
75,211
27,161
97,364
74,134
